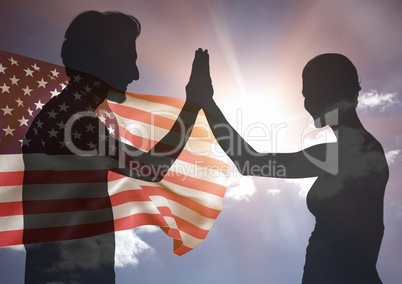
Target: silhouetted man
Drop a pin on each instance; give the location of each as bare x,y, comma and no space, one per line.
68,152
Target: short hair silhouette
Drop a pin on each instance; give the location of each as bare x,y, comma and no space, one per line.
331,74
101,44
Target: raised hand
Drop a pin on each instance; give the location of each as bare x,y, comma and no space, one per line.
199,88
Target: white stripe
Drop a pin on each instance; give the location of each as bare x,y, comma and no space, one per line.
134,102
10,193
189,240
9,223
204,198
184,212
132,208
11,163
206,173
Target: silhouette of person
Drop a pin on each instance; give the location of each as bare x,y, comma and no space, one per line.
69,151
347,197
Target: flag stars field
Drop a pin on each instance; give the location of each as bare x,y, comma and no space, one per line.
28,72
39,104
9,131
42,83
14,80
5,88
2,68
55,93
23,121
19,102
13,61
52,114
27,91
7,110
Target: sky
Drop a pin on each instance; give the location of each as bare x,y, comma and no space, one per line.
257,52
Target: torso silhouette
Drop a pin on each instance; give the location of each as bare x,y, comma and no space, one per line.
69,183
348,208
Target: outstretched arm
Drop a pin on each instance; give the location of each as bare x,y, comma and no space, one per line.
159,159
248,161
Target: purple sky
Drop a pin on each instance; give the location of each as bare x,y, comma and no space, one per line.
257,51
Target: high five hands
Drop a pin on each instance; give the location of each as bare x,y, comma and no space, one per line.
199,88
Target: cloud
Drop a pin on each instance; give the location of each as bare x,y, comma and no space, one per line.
239,187
373,100
129,247
393,156
303,183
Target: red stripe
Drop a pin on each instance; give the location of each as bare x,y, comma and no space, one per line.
65,205
51,234
184,225
196,183
10,238
179,248
174,102
58,177
172,232
128,196
10,208
11,178
137,220
185,201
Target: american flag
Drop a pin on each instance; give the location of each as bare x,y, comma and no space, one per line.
184,204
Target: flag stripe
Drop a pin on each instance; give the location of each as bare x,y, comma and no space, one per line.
64,200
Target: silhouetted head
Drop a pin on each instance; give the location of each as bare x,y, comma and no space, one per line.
103,45
330,81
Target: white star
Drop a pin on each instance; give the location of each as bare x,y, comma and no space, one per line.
14,81
97,83
61,125
111,129
27,91
13,61
54,73
5,88
28,72
36,67
77,96
54,93
23,121
7,110
9,131
87,89
77,78
30,111
103,137
62,85
2,68
52,133
36,131
91,145
25,141
39,105
63,107
89,109
63,144
42,83
39,124
90,127
19,102
51,114
108,114
76,135
102,118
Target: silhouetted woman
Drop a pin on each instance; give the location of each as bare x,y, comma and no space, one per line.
347,197
69,152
